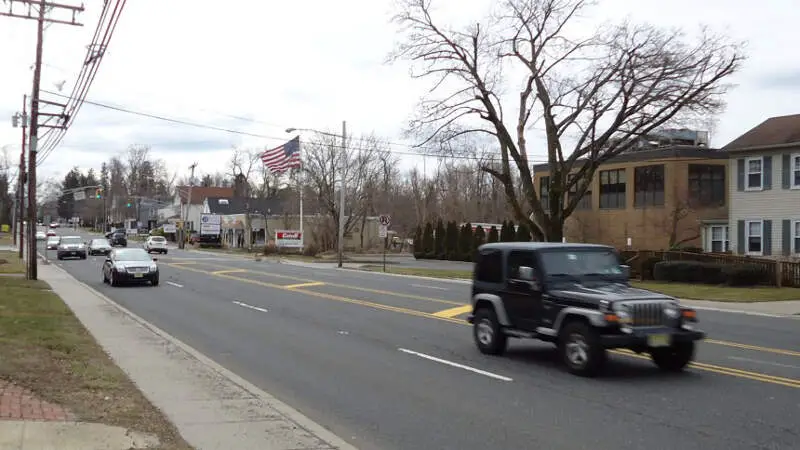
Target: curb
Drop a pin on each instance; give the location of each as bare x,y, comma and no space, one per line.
290,413
416,277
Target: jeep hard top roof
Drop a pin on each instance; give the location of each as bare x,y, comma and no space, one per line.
540,246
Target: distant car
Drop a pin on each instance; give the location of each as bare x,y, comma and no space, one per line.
156,244
41,235
126,265
52,242
54,225
51,233
71,246
99,247
118,239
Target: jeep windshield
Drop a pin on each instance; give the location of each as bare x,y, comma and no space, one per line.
581,263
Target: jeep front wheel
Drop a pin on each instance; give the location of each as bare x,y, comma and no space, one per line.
580,349
673,358
488,334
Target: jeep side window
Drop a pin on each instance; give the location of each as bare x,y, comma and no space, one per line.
519,258
490,267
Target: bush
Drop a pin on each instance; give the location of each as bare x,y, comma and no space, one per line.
270,249
746,275
310,250
439,241
646,269
493,235
427,241
418,253
689,272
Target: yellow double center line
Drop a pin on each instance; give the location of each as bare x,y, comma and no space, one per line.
449,315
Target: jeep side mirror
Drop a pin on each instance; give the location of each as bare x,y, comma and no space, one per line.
626,270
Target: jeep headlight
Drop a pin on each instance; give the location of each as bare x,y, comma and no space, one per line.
624,316
672,311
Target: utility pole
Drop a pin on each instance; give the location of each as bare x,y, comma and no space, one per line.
32,272
341,193
182,243
21,120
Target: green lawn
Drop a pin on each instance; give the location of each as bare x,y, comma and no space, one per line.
680,290
6,239
45,348
10,263
721,293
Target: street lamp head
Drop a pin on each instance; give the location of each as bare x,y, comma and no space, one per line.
291,130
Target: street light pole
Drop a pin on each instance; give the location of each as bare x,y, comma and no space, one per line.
342,192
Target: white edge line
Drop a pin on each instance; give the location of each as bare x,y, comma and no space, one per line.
429,287
739,311
174,284
245,305
457,365
417,277
284,408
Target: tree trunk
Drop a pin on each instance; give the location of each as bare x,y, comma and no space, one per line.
553,229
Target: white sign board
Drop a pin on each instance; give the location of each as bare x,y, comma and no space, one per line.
79,195
288,238
385,220
210,224
170,228
383,231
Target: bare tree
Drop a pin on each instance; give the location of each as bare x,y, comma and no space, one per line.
594,95
680,224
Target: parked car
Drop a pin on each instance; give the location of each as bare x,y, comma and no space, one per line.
118,239
577,296
99,247
126,265
52,242
51,233
156,244
41,235
54,225
71,246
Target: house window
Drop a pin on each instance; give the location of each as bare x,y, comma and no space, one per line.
544,193
796,236
586,201
719,239
707,185
795,170
648,186
754,173
754,238
612,188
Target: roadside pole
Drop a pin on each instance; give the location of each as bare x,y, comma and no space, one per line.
384,222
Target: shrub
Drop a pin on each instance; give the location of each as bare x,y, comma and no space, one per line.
418,253
439,240
270,249
646,268
451,241
746,275
310,250
427,241
465,243
523,233
689,272
493,235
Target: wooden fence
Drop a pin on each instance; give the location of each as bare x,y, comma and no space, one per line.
783,273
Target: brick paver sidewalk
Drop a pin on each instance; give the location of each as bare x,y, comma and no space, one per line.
17,403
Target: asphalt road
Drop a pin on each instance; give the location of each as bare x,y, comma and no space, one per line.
387,362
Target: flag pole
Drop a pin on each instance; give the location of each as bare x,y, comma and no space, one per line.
301,183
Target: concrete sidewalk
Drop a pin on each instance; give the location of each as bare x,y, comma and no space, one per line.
212,407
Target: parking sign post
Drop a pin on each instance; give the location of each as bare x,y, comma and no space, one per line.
385,222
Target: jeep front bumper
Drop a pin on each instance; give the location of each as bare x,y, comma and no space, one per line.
650,338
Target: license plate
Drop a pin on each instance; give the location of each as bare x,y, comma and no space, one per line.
138,275
658,340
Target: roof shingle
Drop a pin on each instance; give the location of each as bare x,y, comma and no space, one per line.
773,132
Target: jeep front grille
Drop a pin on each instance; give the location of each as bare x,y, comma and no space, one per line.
647,314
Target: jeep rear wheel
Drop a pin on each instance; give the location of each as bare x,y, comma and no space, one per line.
488,334
674,358
580,349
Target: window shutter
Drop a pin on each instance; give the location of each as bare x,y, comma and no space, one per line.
767,173
787,237
766,237
740,236
740,174
786,172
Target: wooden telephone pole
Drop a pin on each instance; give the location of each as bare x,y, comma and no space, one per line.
182,243
27,13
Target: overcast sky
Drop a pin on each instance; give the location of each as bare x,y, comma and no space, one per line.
262,66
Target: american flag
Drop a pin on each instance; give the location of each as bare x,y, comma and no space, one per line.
282,158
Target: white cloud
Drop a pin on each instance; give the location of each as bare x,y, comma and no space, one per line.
309,64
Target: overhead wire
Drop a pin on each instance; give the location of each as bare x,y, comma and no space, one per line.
94,56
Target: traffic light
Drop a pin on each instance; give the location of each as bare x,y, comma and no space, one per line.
128,205
98,193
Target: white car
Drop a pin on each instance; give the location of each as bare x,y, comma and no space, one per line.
41,235
52,242
156,244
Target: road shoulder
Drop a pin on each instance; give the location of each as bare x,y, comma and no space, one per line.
210,406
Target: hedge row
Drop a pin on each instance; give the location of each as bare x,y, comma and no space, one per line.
458,243
707,273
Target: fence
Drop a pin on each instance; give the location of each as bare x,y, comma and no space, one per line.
784,273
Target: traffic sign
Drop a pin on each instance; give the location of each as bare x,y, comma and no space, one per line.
383,231
385,220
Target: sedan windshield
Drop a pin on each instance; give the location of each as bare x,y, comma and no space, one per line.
70,240
581,262
99,242
134,254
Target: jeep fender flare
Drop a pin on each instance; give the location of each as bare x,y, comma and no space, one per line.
592,316
490,300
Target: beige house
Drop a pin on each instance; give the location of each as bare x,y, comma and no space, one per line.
764,214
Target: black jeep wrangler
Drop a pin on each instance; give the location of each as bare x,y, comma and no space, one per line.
578,297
